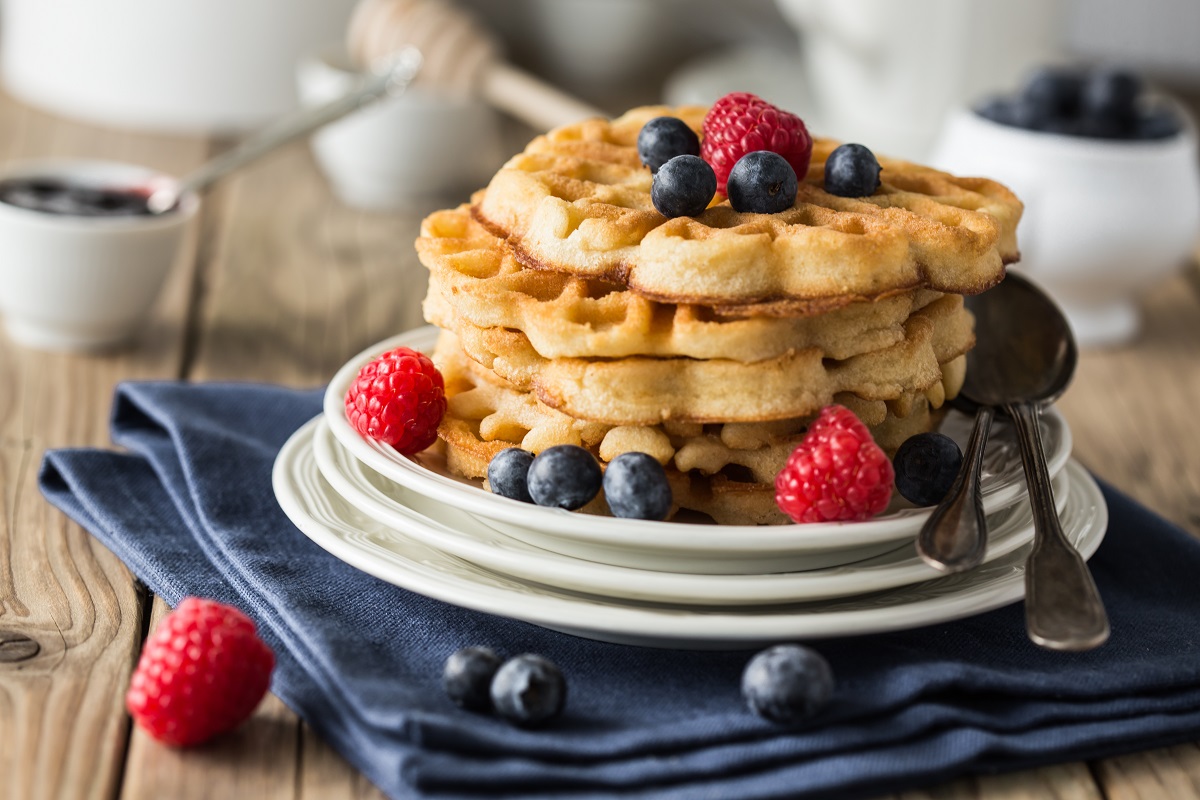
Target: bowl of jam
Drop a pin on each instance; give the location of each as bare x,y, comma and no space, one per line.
82,257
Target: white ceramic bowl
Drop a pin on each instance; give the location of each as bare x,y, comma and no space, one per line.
84,283
411,151
1103,219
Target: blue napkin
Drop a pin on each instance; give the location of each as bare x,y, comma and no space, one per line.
190,509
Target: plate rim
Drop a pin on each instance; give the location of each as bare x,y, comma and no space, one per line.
668,626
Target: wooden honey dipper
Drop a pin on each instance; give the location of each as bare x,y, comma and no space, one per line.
459,54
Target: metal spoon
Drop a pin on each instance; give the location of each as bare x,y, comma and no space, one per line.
391,78
1024,359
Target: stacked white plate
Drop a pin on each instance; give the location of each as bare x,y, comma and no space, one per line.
407,521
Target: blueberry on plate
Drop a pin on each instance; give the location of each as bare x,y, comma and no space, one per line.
762,182
564,476
507,474
852,171
636,487
663,138
529,690
683,187
787,683
467,677
926,466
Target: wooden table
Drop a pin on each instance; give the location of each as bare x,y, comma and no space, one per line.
283,284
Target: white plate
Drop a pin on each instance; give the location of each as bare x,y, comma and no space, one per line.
461,534
676,546
381,551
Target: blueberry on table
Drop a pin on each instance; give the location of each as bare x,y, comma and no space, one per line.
508,472
636,487
663,138
787,683
467,677
529,690
926,466
852,171
683,187
564,476
762,182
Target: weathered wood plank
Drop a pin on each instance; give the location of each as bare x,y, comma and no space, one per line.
1165,774
64,726
294,284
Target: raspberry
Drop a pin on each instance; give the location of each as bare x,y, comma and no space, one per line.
398,399
741,123
202,672
836,473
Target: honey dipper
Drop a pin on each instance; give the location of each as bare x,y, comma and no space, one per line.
459,54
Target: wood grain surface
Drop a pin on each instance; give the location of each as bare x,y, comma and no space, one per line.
281,283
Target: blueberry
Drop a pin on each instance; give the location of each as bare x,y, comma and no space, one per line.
529,690
762,182
683,186
635,486
507,474
663,138
926,466
565,476
852,171
1109,103
787,683
1053,93
1158,123
467,677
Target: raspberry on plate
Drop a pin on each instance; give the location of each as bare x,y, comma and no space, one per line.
202,673
836,473
398,399
741,123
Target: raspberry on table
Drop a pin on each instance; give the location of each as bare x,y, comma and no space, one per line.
202,673
836,473
741,123
398,399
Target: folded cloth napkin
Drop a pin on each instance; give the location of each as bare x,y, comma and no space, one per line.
190,509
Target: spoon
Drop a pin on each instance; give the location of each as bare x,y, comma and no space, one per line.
391,78
1024,359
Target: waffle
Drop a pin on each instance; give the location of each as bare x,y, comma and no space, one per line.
645,391
478,277
577,200
724,471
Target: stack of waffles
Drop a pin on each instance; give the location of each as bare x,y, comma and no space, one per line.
572,312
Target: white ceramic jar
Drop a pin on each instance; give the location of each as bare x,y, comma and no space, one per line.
84,283
180,65
1104,219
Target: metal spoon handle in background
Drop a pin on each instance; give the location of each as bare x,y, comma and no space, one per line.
1063,610
391,80
954,538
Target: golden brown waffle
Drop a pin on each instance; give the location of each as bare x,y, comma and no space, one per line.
564,316
577,200
725,471
645,391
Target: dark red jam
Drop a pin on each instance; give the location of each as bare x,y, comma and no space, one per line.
52,196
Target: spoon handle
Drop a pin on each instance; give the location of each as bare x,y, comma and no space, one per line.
1063,610
391,79
954,537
